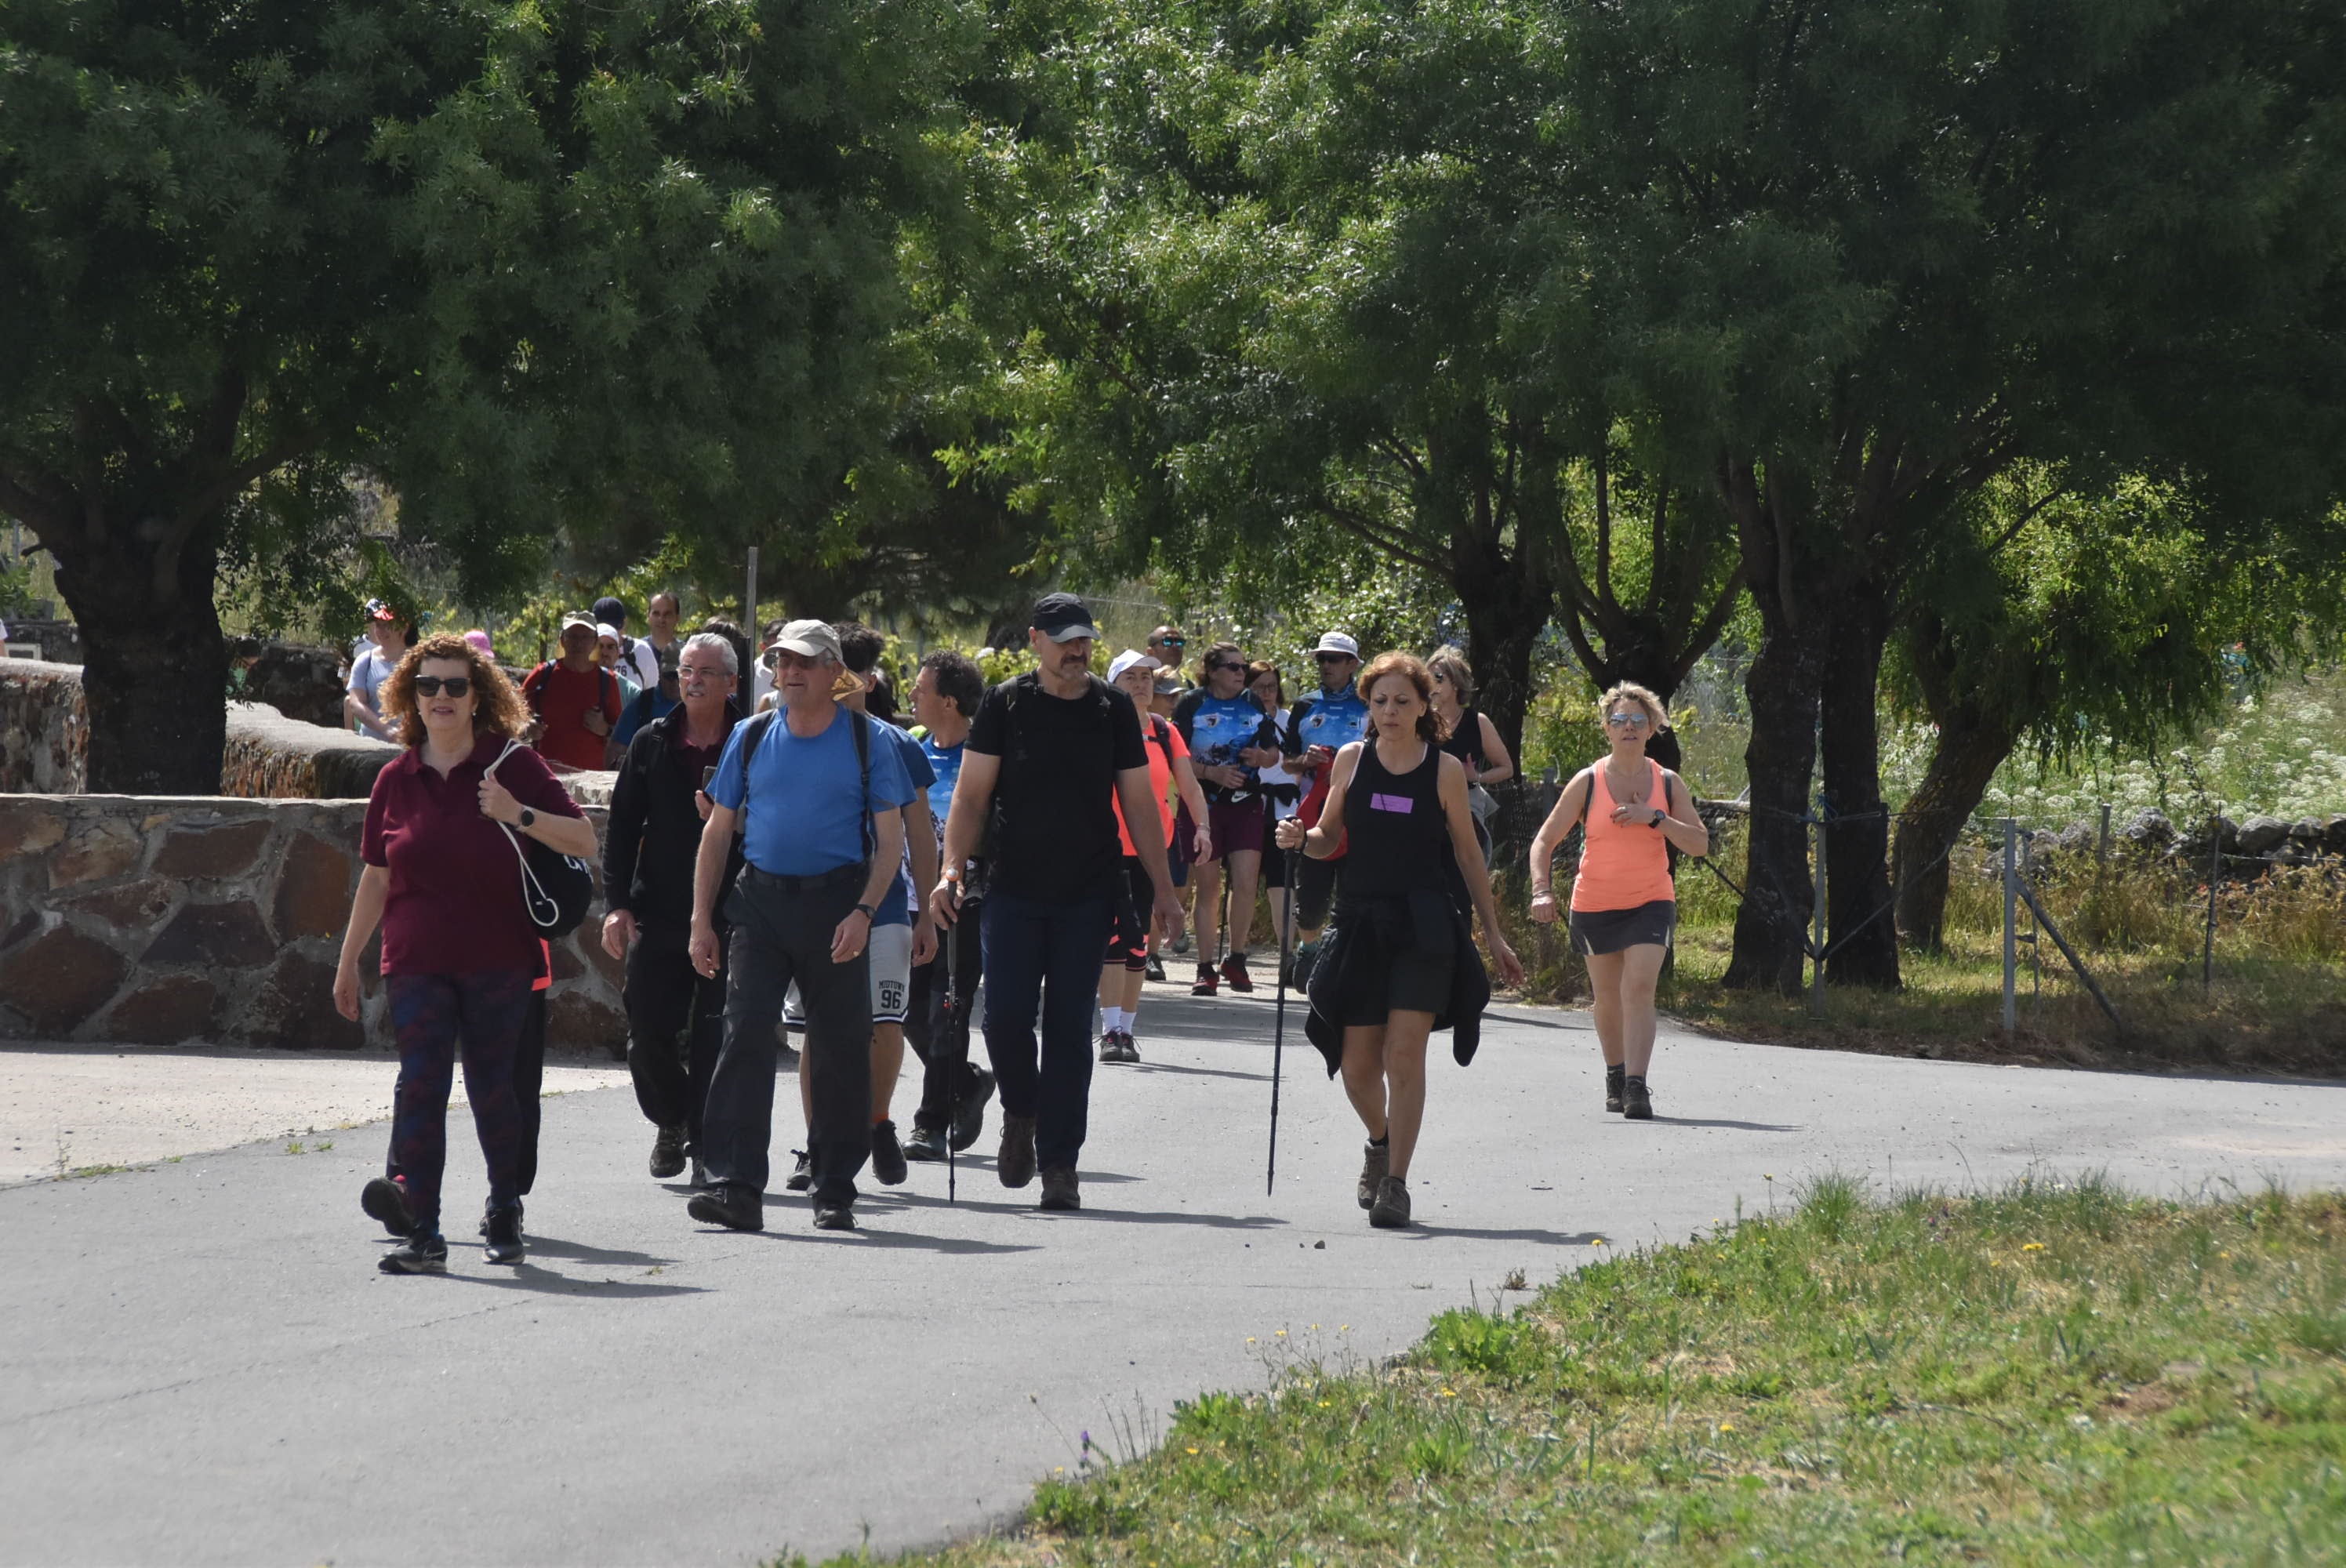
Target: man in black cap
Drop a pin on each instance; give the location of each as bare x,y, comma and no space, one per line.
1047,755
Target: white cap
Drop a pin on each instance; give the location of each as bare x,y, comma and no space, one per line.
1132,658
606,629
1338,642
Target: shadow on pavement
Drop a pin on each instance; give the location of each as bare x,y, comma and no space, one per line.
527,1275
1425,1230
913,1240
1145,1067
579,1252
1739,1126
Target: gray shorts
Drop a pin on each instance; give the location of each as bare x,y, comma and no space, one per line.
1613,931
891,978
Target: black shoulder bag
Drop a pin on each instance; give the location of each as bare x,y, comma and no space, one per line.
556,888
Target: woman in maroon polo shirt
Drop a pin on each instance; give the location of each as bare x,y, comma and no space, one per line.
459,951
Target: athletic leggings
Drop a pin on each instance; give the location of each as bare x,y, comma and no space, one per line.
435,1018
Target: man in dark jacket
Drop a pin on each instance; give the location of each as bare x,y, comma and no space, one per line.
676,1016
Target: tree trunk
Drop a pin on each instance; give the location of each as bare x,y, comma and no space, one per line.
1862,942
1501,633
1771,925
155,667
1972,746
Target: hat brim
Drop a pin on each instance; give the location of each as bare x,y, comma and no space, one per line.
1070,634
804,650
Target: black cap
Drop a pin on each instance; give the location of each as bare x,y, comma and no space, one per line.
611,613
1062,618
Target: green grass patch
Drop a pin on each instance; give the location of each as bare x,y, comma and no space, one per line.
2054,1373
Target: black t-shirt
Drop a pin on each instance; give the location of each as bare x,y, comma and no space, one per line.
1053,834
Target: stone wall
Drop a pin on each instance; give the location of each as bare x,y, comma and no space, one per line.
44,728
152,921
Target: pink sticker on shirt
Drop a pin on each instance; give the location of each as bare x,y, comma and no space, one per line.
1400,803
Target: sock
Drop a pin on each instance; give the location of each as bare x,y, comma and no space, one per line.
1381,1142
1112,1020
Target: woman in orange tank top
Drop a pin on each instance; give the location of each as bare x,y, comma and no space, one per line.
1624,907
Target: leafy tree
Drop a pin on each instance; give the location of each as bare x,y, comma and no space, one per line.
1853,265
515,259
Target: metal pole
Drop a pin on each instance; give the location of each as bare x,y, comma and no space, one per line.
2011,925
1816,924
1279,1025
2215,871
750,603
2102,846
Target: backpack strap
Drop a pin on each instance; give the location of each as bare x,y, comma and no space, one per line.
533,689
864,723
752,732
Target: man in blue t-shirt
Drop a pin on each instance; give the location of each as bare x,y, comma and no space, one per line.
821,804
1317,729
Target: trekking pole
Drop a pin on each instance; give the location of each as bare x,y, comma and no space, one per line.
953,1022
1278,1028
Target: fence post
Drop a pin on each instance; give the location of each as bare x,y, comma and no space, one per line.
749,612
1816,921
2215,871
2010,926
2102,844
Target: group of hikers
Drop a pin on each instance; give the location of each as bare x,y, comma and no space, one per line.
798,861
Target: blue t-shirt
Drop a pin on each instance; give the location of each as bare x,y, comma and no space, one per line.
897,909
944,766
805,797
1335,722
635,716
1219,728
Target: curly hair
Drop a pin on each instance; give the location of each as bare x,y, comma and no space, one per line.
1412,668
499,710
1657,717
957,679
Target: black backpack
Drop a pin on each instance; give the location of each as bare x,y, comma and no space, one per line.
754,732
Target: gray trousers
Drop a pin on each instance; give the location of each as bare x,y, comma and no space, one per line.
782,933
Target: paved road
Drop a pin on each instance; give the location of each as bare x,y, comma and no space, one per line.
200,1364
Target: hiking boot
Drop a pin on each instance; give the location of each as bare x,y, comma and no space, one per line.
668,1153
1390,1211
385,1201
1299,969
502,1230
926,1145
1015,1162
969,1116
1060,1193
1207,980
1613,1076
802,1174
1636,1104
735,1208
1234,970
1375,1160
416,1254
830,1215
1156,969
887,1154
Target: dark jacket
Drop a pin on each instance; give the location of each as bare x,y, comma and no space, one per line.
654,833
1357,954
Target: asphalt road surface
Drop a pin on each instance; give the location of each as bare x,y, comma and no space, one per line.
200,1363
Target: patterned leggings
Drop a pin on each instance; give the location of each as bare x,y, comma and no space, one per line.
430,1015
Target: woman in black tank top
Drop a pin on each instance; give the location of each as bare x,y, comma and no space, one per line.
1400,961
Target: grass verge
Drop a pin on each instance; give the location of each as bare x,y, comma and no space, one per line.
2054,1373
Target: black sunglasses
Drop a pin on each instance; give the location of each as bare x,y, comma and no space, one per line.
1331,658
433,685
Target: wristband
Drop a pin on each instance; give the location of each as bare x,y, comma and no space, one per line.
868,912
950,874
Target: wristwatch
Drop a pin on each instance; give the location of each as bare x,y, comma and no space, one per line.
528,818
1660,817
868,912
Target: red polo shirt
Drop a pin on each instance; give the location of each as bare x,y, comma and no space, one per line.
456,904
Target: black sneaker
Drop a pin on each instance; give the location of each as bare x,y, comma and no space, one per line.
833,1216
733,1208
487,1211
1156,969
385,1201
668,1153
887,1154
418,1255
1613,1076
1636,1103
969,1116
1015,1163
1060,1193
926,1145
1390,1211
1207,980
502,1230
802,1173
1234,971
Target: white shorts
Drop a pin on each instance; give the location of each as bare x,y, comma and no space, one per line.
891,978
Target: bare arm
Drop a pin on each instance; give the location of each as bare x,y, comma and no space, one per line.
1498,764
1551,835
1469,854
355,709
1685,827
964,824
1317,840
366,913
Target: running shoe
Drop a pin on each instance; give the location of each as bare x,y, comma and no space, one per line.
1128,1049
385,1201
830,1216
1636,1103
735,1208
969,1116
1234,970
504,1233
887,1154
1376,1159
668,1153
1613,1087
802,1173
1156,971
926,1145
1207,980
416,1254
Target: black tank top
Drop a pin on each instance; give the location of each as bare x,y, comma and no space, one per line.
1397,840
1465,742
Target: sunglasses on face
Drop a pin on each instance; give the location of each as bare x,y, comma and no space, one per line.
1333,658
1172,642
433,685
1626,720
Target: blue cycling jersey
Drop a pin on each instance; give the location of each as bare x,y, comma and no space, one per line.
1334,721
1219,728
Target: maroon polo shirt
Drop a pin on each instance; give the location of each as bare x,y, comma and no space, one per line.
456,904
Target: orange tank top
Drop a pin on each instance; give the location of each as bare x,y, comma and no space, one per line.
1621,867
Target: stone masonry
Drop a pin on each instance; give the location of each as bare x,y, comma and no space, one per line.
153,920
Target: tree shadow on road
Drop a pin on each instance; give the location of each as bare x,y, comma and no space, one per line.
1739,1126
